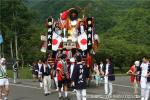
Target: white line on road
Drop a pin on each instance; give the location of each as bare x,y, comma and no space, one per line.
21,85
33,87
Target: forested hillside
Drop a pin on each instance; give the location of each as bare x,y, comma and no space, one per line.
123,26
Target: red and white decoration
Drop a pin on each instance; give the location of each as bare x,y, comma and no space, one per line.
82,41
56,40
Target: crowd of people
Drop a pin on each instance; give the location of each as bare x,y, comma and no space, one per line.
74,73
66,73
140,74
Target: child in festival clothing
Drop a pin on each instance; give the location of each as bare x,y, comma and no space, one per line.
134,77
79,77
101,65
63,76
97,74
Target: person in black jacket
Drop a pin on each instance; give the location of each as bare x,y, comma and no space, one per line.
79,77
109,77
46,72
34,70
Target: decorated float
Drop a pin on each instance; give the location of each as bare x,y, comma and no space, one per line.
71,35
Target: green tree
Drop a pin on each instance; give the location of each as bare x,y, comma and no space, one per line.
18,22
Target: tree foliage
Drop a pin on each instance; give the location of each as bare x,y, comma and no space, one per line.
123,25
18,19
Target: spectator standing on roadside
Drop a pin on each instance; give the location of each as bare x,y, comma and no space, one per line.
34,71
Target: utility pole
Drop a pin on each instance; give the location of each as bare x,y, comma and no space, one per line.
16,37
15,32
16,45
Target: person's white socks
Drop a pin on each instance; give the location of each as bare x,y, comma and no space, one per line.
59,93
66,93
147,94
41,84
56,82
5,98
142,93
110,88
62,89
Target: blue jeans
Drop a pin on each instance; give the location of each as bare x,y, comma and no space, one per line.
98,79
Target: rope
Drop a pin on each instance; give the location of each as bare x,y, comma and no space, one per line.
121,75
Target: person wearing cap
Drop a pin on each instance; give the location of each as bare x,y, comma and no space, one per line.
4,82
79,77
62,76
145,78
72,65
134,77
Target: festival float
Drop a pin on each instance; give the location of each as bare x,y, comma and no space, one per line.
71,35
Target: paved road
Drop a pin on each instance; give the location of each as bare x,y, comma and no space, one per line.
28,90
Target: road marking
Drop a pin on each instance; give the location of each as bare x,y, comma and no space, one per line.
120,85
33,87
21,85
123,85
